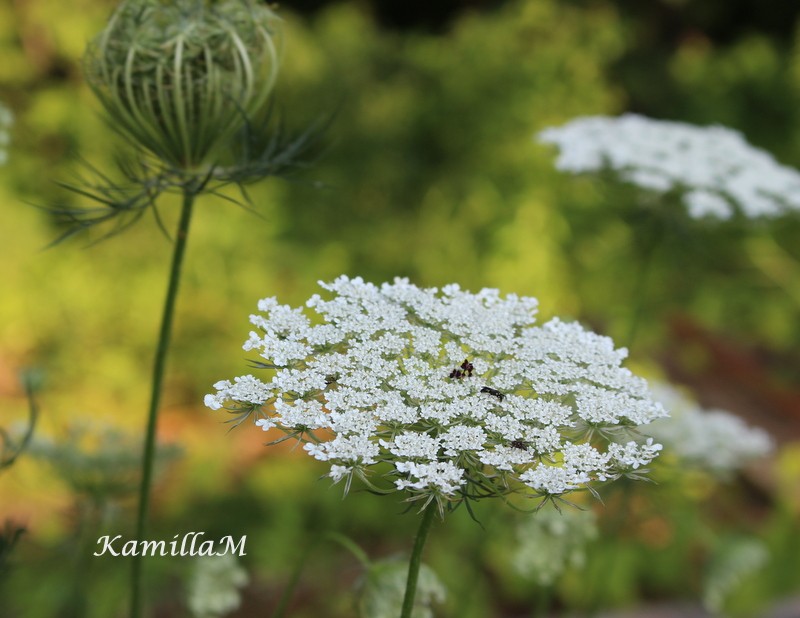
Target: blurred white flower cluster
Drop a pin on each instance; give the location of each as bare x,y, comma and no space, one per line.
733,561
384,584
713,168
446,395
98,460
551,541
214,587
713,440
6,120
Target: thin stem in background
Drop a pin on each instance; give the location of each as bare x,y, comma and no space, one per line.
637,299
544,595
158,375
653,240
30,381
416,559
294,579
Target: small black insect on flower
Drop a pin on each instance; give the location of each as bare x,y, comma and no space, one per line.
520,444
464,370
494,393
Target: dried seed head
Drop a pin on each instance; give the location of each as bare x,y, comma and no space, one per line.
181,78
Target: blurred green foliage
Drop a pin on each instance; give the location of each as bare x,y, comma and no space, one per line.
431,173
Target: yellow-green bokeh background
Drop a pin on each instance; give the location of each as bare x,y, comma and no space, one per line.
430,172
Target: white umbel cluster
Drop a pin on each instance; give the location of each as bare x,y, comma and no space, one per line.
713,168
713,440
443,393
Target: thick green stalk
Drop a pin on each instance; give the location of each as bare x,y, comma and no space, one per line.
416,559
158,377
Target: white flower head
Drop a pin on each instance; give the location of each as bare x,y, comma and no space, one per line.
383,587
551,541
444,394
712,440
713,168
214,587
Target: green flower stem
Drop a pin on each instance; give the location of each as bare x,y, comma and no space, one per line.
637,300
158,376
416,559
653,238
542,604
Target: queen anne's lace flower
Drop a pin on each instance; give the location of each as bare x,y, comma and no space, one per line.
214,587
444,394
714,440
553,541
713,168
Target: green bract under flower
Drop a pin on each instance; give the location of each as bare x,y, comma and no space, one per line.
180,78
446,395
